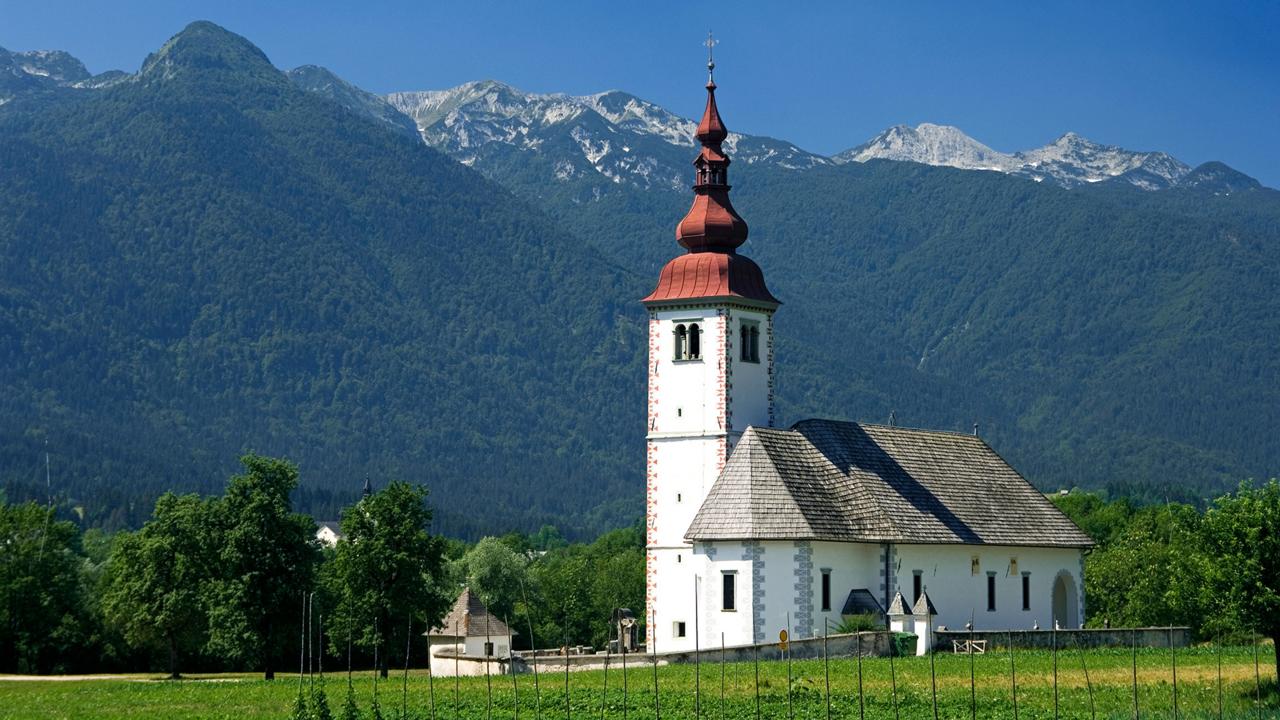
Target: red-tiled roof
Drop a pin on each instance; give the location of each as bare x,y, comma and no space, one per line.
711,275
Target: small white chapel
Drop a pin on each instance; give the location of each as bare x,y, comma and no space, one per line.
753,528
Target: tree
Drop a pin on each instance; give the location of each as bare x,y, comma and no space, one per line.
496,574
1152,572
155,578
267,559
387,569
1241,532
40,592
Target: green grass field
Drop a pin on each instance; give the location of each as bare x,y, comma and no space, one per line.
241,697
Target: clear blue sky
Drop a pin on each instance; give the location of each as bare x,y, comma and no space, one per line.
1201,81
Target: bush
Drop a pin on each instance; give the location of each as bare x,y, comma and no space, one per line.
860,623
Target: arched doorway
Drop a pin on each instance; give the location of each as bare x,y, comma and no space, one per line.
1066,601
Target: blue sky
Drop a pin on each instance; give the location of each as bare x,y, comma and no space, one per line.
1198,80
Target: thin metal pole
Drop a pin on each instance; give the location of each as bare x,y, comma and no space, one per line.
377,643
826,667
933,680
973,696
511,668
1173,655
461,644
320,651
653,618
623,646
566,668
488,681
755,659
697,656
431,676
1013,677
604,692
1136,714
311,676
790,707
721,676
302,643
533,647
1055,669
1088,684
862,711
1217,649
893,675
1257,674
404,687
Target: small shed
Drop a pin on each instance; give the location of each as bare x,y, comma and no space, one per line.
470,636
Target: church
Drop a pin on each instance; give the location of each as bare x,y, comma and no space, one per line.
753,528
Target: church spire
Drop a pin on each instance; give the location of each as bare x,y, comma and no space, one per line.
712,230
711,224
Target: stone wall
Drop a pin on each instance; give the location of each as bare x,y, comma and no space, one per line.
1068,639
873,644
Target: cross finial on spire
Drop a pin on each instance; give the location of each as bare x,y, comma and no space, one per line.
711,62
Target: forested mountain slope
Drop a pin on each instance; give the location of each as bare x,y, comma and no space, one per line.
205,259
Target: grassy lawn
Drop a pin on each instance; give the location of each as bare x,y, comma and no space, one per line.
244,697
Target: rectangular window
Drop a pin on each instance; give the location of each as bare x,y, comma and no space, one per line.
728,580
488,649
1026,591
749,342
677,629
915,587
826,589
991,592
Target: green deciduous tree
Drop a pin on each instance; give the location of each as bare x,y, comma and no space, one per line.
40,593
387,568
156,577
267,558
1241,532
496,574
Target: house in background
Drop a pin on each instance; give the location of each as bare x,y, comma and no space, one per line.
469,639
328,532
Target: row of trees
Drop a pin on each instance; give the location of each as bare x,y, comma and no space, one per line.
218,582
1216,571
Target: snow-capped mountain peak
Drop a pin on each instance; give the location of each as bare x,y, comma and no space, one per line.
1069,160
931,145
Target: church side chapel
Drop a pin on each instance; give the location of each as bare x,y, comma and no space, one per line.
753,528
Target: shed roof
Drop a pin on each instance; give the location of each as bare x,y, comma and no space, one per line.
470,618
856,482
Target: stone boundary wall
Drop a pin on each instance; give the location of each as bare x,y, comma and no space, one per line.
1069,639
874,644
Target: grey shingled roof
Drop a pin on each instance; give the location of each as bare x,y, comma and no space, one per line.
899,605
854,482
470,618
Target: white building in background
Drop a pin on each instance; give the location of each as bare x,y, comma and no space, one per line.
468,639
329,532
752,529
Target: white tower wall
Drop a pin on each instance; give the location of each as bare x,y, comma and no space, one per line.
698,408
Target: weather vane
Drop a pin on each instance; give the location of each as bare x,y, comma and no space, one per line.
711,63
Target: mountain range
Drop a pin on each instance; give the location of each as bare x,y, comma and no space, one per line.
213,255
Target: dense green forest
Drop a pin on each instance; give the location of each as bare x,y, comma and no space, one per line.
205,259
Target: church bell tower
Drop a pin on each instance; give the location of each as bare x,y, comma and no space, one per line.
710,377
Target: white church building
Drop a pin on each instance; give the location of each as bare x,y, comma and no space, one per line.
753,528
